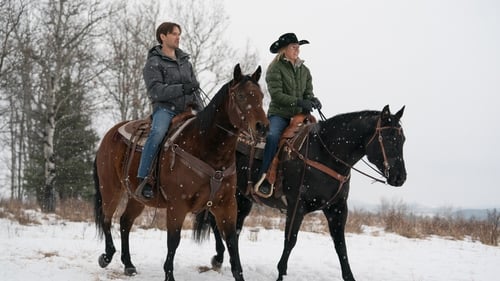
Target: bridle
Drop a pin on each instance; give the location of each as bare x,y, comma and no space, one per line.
242,123
378,132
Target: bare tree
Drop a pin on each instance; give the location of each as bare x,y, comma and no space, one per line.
10,17
129,34
493,221
12,14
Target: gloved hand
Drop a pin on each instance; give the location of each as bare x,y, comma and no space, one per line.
316,103
190,88
306,105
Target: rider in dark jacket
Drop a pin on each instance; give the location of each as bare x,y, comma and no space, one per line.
172,87
165,78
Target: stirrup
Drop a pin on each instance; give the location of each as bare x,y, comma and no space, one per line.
140,187
257,185
283,199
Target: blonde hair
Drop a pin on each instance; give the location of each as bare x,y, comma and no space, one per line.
280,54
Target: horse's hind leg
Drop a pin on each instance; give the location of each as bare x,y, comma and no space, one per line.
244,208
218,259
132,211
108,208
110,249
226,223
337,217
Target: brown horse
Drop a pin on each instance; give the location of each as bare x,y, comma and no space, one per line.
197,171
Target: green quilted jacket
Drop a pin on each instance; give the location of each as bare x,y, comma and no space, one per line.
287,84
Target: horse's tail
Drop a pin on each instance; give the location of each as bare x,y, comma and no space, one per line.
201,227
98,214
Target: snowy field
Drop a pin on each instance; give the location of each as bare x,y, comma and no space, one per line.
59,250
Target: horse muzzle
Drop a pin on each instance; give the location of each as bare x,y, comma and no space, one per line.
396,177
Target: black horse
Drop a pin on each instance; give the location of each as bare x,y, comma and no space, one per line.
319,179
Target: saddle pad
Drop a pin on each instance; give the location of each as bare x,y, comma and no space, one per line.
131,128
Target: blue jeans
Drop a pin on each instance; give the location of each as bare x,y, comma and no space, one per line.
159,127
277,125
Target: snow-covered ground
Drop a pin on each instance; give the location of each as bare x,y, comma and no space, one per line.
60,250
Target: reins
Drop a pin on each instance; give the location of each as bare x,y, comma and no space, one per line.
347,164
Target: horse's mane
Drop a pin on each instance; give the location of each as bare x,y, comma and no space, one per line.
207,115
345,118
340,124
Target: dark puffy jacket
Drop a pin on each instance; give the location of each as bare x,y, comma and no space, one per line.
164,78
287,84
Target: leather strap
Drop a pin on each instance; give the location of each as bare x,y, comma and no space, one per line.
325,169
216,176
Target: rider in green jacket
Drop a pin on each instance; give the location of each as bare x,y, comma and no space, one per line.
289,83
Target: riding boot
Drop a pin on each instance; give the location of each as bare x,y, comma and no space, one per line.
263,188
145,188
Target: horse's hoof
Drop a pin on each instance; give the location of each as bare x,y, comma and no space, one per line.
202,269
130,271
216,265
104,261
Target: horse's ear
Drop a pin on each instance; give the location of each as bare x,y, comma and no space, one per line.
237,76
257,73
386,113
400,113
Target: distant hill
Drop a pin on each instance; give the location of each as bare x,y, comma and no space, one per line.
479,213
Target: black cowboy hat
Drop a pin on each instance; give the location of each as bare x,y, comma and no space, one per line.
285,40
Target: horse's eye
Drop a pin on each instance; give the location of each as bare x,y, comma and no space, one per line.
241,96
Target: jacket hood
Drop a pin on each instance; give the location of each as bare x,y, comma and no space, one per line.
156,51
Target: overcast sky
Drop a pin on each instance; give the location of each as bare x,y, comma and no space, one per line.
440,58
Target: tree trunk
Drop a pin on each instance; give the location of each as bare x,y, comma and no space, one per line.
49,195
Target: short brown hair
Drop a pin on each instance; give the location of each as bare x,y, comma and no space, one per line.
166,27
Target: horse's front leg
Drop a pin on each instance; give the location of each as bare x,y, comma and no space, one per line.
337,218
175,219
225,218
294,219
132,211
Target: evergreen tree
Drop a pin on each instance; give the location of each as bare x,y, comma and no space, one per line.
75,143
74,149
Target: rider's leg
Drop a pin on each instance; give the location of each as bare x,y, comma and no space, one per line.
159,127
277,125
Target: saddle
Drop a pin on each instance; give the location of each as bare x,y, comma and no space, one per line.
135,132
292,138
